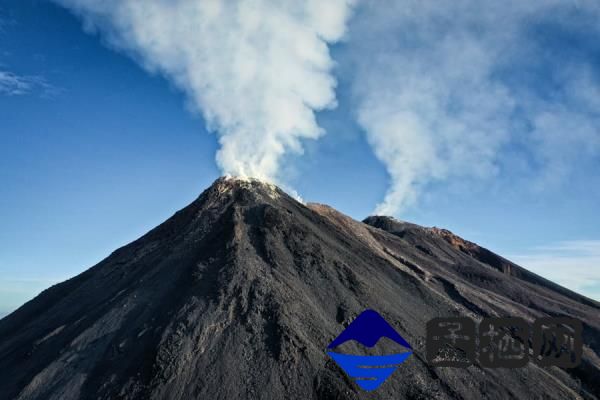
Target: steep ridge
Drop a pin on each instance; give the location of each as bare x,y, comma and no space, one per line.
238,295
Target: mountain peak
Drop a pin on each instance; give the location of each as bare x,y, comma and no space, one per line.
228,182
237,296
241,190
389,224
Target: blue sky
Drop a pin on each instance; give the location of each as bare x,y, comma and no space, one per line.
99,142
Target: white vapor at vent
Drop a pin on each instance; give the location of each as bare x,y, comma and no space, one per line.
256,69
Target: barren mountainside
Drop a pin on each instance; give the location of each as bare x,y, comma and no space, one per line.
238,295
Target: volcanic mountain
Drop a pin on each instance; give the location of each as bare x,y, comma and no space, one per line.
238,295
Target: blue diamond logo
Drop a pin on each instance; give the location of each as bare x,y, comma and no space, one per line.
369,372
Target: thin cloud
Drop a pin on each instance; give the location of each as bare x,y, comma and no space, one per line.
12,84
573,264
15,85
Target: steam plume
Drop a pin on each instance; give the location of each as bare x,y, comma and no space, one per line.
447,91
256,69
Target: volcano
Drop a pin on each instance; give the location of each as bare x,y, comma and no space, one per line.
239,294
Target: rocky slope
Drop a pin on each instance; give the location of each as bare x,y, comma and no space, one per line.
238,295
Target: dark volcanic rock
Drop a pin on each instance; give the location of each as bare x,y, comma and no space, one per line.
238,295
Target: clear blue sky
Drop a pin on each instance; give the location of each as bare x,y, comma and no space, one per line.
95,151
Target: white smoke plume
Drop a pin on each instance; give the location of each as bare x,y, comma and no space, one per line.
442,89
256,69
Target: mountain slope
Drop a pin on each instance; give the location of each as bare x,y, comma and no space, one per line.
238,295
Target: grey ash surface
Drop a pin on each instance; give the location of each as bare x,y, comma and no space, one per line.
238,295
